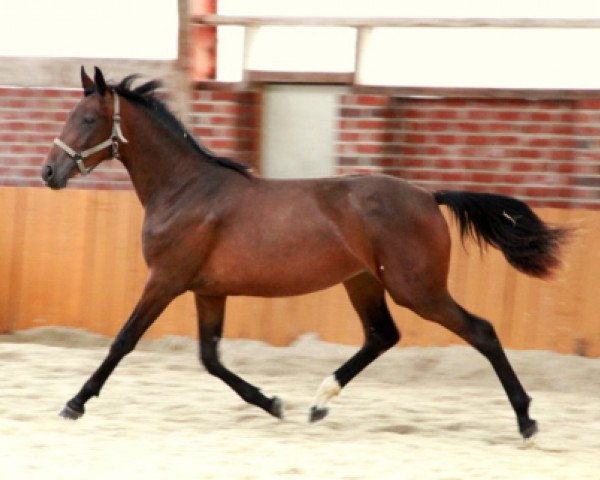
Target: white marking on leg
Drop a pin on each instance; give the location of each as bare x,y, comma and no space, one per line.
329,388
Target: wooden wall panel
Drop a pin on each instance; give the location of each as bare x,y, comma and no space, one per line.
10,256
73,258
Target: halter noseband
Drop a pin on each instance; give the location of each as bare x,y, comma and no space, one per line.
112,141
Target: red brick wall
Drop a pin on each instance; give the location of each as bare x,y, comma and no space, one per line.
545,152
30,118
228,122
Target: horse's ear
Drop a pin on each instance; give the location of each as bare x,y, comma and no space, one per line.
100,82
86,83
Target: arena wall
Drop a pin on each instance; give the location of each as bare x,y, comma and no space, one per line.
73,257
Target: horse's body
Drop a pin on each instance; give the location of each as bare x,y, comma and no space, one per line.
276,238
213,228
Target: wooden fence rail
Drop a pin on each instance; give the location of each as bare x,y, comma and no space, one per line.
72,258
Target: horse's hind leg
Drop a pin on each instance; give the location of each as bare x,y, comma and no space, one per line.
367,297
210,324
481,335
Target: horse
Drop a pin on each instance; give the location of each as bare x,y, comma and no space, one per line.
214,228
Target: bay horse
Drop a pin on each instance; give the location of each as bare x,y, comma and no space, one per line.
213,228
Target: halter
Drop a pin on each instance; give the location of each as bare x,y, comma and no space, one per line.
111,141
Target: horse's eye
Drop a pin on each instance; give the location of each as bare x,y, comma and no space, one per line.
88,119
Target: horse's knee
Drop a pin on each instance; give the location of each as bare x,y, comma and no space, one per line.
482,330
249,393
122,346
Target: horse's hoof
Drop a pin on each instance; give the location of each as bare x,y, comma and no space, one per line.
276,407
70,413
317,413
529,430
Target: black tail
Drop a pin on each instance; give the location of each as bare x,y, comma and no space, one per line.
508,224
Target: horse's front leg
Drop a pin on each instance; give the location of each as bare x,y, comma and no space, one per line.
154,300
210,325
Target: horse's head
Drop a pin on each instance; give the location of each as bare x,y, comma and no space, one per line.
91,134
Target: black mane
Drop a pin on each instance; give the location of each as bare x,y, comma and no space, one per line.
145,95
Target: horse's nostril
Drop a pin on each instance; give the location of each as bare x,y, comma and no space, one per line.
47,172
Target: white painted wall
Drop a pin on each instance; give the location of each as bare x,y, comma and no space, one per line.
482,57
441,57
298,130
137,29
413,8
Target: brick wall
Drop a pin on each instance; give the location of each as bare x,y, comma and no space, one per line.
30,118
228,122
545,152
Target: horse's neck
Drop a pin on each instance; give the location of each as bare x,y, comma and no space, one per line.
161,165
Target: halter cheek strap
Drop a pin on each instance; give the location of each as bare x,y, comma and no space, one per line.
112,141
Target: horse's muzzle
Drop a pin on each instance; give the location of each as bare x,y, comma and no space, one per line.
47,173
51,179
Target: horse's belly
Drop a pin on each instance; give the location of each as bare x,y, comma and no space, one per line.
284,276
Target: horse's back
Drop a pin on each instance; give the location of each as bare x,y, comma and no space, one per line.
387,195
390,204
373,209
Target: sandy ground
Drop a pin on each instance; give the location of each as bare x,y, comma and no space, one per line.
416,413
